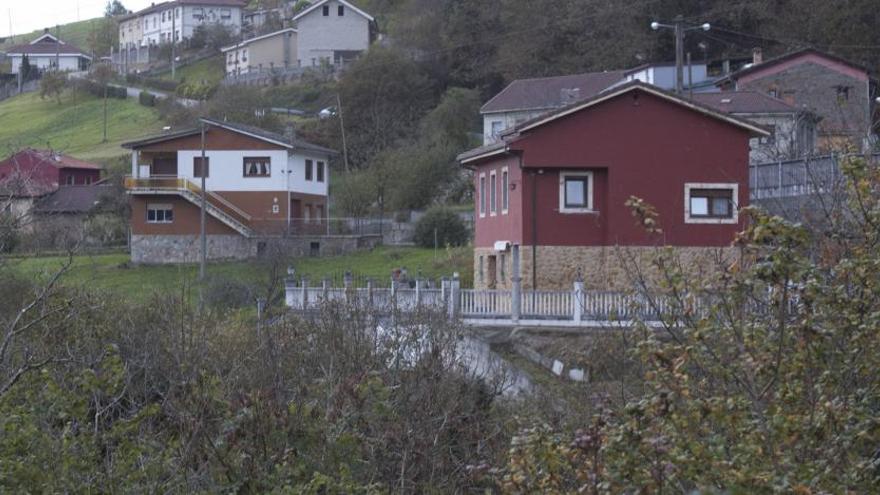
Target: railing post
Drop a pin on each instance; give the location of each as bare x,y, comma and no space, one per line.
393,295
325,288
577,295
516,286
444,290
305,293
454,297
347,282
418,291
370,293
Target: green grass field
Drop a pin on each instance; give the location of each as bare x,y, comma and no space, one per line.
75,33
113,272
75,126
210,70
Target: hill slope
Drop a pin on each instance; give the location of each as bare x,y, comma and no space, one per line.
75,126
76,33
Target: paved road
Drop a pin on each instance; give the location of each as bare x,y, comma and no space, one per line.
134,92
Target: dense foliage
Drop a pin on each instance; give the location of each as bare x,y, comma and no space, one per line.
440,227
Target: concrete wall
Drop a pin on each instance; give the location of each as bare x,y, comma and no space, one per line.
320,36
602,267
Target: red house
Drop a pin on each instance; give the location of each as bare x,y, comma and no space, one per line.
31,174
556,186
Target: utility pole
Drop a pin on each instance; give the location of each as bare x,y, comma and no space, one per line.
204,238
342,130
679,28
173,40
58,48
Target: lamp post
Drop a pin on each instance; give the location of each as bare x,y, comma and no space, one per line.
679,27
287,183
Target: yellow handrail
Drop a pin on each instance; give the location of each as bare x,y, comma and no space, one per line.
175,183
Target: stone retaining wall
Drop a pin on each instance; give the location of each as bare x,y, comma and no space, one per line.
602,267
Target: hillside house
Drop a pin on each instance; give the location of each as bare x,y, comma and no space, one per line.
29,175
176,21
792,130
840,92
263,53
258,185
332,32
555,187
48,53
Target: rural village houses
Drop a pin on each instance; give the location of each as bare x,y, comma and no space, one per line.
555,188
269,51
176,21
332,32
258,184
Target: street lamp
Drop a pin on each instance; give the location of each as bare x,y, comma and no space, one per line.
679,27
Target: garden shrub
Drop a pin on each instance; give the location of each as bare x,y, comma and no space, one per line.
451,230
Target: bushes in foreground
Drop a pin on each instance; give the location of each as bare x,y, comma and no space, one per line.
443,226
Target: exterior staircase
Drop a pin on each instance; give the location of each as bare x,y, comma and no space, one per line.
216,206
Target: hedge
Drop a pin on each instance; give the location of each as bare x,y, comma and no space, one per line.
147,99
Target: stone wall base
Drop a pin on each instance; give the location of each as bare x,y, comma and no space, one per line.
601,267
167,249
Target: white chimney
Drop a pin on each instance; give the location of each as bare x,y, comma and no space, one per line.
757,55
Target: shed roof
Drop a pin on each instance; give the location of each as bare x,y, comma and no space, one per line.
73,199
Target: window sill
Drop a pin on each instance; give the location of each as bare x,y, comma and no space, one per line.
578,211
711,221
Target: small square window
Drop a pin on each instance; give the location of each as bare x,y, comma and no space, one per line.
711,203
575,192
197,167
326,10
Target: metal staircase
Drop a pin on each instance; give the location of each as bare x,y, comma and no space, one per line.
216,206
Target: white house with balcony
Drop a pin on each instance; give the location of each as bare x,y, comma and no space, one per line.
332,32
177,20
257,185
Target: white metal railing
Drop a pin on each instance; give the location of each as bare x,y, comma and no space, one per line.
547,303
485,302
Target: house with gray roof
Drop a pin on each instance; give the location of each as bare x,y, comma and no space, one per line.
332,32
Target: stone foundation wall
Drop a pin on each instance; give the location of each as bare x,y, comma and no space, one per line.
602,267
187,248
158,249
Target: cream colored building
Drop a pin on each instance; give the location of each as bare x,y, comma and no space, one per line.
267,52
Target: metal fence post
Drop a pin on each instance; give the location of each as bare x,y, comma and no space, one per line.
305,293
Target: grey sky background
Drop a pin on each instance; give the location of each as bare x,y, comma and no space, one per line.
30,15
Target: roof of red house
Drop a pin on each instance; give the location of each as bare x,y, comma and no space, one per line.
744,102
31,156
513,134
791,56
547,92
41,46
73,199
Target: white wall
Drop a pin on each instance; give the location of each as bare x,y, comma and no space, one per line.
319,36
298,182
67,63
508,120
184,21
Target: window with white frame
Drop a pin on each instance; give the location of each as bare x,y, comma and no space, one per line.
482,195
710,203
497,127
505,190
493,193
257,166
160,213
576,192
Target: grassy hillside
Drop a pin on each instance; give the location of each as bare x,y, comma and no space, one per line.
75,126
210,70
76,33
113,272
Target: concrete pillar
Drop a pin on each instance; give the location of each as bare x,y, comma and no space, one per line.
393,295
370,293
325,288
454,306
419,291
444,289
516,285
347,280
305,293
577,296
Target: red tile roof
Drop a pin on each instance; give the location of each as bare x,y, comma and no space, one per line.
545,93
